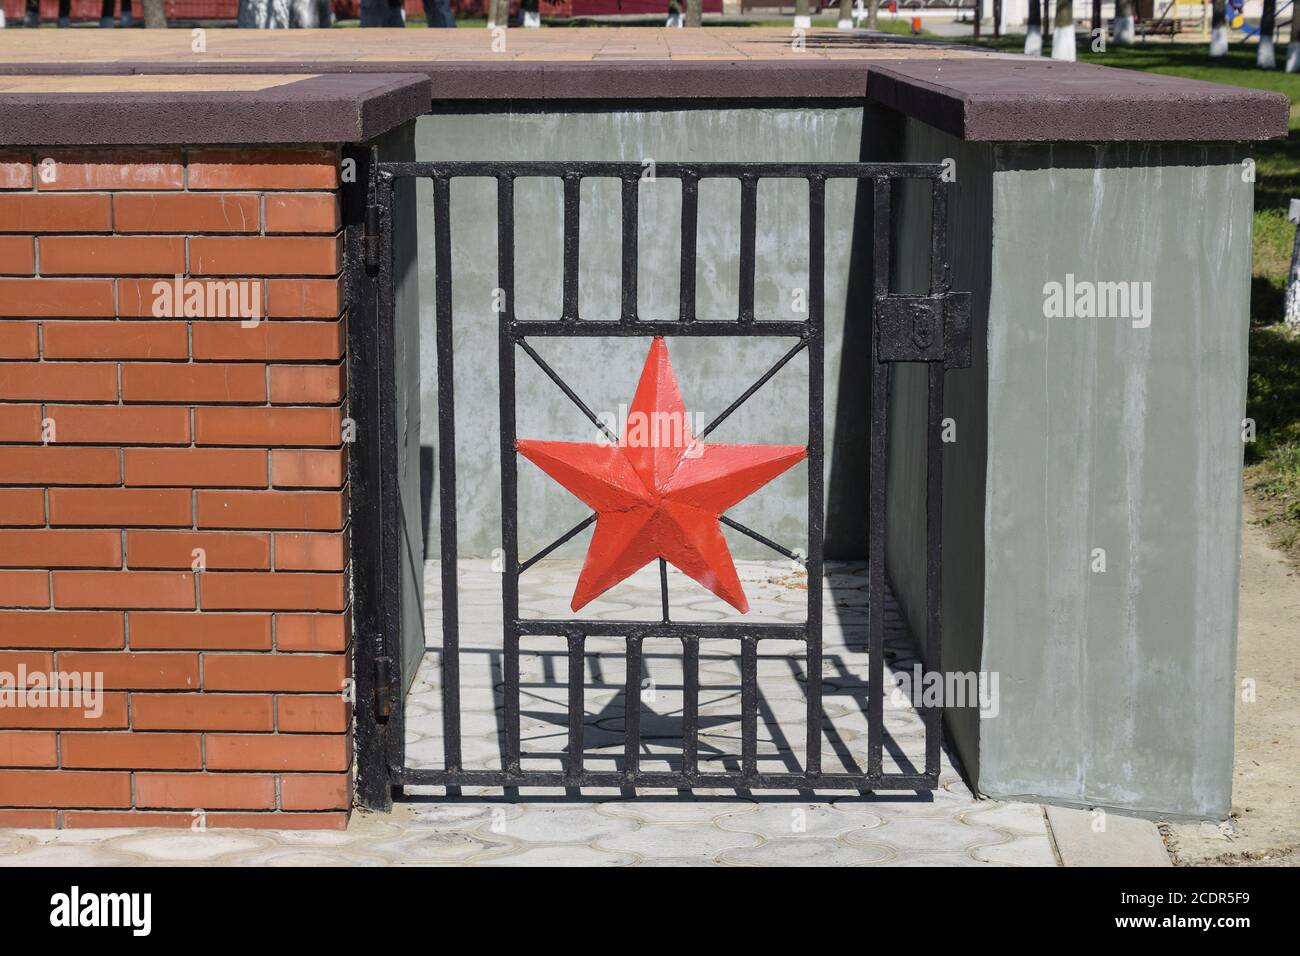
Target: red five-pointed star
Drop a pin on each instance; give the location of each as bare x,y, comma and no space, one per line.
658,492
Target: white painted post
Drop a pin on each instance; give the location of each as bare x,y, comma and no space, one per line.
1293,48
1293,280
1063,32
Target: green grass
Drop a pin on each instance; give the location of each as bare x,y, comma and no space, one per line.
1273,396
900,25
1273,400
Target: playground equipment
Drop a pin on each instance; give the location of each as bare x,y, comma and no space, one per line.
1176,17
1237,18
1172,19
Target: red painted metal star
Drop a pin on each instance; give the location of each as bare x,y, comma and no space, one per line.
659,492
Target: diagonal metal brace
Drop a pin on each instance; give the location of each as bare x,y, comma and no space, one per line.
924,328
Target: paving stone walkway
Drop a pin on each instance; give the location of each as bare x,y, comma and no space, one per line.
777,592
662,828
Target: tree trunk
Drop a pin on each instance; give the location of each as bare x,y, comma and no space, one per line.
1264,58
1096,14
873,14
979,12
846,15
1219,29
1063,31
802,18
253,14
694,13
1293,48
997,18
1125,29
155,16
1034,30
304,14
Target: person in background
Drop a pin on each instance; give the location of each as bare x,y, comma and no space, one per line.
382,13
33,18
106,14
392,13
437,13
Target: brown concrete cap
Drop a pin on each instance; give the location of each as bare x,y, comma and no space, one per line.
1027,100
361,82
127,110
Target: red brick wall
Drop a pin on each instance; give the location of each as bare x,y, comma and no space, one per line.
225,682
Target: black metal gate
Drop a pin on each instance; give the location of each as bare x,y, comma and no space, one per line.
930,328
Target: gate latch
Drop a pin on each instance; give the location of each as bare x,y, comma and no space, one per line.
924,328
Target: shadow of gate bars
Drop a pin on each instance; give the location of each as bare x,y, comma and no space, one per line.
930,328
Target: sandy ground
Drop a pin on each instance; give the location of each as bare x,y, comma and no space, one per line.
1264,829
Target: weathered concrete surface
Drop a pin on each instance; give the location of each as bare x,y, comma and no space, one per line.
1096,838
1079,434
1117,686
713,372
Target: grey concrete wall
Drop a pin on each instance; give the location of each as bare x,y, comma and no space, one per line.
970,224
1116,687
1075,434
399,145
712,371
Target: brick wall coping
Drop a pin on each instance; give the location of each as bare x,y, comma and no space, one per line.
1036,100
974,94
203,109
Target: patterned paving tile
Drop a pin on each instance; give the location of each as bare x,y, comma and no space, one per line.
677,840
775,821
807,851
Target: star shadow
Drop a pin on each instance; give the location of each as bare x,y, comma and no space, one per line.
604,730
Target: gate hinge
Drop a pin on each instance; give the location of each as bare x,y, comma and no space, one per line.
383,688
371,239
924,328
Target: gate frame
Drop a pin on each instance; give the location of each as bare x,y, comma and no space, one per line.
931,328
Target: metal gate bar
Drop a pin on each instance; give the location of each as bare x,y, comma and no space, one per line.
931,328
